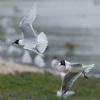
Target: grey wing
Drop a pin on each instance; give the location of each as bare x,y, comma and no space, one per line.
68,81
26,23
76,65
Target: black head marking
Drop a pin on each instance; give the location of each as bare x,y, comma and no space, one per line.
16,42
62,62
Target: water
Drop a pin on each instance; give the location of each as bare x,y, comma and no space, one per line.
80,27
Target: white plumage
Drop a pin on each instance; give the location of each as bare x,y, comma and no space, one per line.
66,95
70,72
31,40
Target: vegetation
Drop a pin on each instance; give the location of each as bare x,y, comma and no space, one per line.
35,86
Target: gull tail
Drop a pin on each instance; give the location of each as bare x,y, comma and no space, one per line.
42,42
88,68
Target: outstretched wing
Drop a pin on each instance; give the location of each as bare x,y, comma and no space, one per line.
68,81
88,68
26,23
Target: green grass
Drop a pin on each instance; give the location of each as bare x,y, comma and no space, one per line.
28,86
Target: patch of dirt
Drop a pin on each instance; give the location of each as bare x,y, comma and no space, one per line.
7,67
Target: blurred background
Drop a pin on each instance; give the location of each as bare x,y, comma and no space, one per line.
72,28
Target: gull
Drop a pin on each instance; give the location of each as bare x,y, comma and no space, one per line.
31,41
70,72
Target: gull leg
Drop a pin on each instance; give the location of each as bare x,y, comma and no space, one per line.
85,75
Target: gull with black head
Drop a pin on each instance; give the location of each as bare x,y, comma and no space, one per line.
31,40
70,72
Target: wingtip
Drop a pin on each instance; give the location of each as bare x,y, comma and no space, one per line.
34,5
30,16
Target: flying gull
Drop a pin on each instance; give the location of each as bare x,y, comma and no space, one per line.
70,72
31,40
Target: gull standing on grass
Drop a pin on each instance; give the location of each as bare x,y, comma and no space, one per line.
70,72
31,40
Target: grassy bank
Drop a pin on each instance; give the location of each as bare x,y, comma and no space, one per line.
35,86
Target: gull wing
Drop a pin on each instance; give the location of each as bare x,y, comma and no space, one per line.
68,81
26,23
42,42
88,68
76,65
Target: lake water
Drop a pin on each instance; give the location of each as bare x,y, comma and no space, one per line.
64,24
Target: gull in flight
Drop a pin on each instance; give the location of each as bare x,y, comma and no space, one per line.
70,72
31,41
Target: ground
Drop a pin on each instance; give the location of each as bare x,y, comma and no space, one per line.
37,86
6,67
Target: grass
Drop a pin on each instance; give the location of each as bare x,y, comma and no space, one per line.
34,86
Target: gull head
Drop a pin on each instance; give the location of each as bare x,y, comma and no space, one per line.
16,42
65,64
62,62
